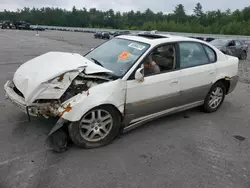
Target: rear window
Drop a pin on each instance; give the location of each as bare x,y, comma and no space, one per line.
211,54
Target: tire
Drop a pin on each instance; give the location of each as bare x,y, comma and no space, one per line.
243,55
222,88
81,136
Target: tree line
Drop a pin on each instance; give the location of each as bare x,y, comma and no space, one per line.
214,22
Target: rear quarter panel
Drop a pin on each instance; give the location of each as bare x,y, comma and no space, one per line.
226,67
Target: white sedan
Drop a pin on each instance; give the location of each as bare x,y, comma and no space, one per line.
122,84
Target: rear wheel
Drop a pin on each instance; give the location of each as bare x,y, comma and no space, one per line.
243,55
215,97
98,127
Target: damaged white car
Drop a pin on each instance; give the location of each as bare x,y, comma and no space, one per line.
121,84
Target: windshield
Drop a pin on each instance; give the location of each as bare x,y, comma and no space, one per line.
219,42
118,55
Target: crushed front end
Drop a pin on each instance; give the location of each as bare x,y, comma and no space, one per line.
52,107
58,137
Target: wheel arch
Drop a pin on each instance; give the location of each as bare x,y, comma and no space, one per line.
76,115
226,82
119,110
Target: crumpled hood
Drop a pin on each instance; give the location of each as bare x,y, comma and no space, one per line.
31,75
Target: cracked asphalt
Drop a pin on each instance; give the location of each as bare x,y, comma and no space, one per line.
188,149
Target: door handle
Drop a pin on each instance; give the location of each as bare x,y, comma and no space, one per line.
174,82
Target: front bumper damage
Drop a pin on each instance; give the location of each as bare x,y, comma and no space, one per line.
45,109
57,138
78,90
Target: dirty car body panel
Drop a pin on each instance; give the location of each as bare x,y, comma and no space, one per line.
68,85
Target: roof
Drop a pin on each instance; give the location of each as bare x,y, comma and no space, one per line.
157,38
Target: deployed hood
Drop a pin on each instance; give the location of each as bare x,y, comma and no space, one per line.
31,75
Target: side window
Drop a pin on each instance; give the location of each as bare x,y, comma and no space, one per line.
211,54
231,43
192,54
161,59
238,43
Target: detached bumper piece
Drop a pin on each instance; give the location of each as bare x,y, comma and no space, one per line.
58,138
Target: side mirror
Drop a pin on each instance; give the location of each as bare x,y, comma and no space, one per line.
139,74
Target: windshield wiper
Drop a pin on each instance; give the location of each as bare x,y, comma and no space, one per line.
97,62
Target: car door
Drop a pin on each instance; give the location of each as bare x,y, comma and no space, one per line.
238,48
197,71
232,48
156,93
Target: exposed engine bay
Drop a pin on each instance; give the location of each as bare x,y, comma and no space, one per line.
82,83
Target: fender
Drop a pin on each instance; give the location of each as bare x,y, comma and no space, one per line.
112,92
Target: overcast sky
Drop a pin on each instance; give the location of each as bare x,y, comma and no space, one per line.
126,5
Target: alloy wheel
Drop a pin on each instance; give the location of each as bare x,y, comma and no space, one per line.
96,125
215,97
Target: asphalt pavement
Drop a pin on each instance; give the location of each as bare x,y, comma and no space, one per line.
185,150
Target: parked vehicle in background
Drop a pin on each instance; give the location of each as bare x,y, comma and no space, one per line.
200,38
112,32
102,35
148,32
7,25
118,33
235,48
37,28
98,34
209,39
22,25
122,84
105,35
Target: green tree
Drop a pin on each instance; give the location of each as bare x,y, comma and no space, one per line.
198,10
216,21
180,14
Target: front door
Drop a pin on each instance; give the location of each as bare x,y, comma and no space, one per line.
160,89
156,93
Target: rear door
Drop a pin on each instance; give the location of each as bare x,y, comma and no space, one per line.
198,71
232,48
238,48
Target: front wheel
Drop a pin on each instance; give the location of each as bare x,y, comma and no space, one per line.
215,97
98,127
